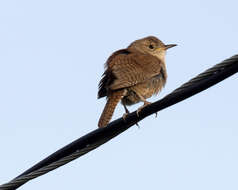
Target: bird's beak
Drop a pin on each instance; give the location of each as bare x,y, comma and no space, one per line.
170,46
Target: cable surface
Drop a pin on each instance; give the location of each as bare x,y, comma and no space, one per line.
98,137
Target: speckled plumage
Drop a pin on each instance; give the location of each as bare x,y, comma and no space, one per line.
133,75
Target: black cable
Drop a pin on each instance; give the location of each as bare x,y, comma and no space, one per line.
99,136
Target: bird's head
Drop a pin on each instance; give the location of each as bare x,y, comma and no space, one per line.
151,45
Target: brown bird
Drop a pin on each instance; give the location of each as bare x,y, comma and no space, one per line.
132,75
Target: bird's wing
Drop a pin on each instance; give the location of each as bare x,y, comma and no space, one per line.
129,70
108,77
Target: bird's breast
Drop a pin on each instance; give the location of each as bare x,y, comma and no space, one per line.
145,89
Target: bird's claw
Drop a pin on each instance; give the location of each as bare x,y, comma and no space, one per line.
140,108
125,116
156,114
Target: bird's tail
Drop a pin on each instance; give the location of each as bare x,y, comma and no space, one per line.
110,106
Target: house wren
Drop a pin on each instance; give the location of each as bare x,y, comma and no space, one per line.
132,75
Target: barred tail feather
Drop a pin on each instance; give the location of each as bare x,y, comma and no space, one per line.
110,106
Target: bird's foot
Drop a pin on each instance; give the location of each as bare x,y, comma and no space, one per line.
140,108
125,115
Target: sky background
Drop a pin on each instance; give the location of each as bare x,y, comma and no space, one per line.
51,60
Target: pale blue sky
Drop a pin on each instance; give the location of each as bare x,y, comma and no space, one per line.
51,60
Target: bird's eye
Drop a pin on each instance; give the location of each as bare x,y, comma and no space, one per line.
151,46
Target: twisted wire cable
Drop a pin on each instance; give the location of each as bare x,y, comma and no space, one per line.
24,178
209,72
98,137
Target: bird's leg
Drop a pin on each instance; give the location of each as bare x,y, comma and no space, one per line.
146,103
126,114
